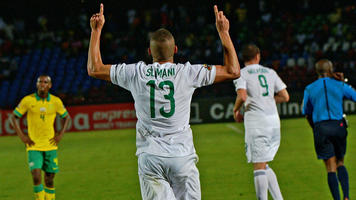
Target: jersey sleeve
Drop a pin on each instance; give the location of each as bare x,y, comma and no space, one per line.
122,74
60,109
240,83
349,92
201,75
307,105
279,84
22,108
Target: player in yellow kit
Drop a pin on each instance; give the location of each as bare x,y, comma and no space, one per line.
41,141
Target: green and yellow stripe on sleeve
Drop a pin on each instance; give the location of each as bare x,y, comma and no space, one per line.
17,113
64,114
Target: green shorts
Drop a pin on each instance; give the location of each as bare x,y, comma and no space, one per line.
45,160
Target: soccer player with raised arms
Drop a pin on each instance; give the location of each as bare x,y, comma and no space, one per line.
41,141
162,92
259,88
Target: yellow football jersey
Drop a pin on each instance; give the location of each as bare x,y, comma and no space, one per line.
41,114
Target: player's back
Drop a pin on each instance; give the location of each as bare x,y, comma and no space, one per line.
261,84
327,93
162,94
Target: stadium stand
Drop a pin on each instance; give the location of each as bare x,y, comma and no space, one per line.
292,37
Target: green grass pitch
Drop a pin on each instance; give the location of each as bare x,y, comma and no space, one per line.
102,165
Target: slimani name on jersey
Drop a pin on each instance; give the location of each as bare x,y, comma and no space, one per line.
162,73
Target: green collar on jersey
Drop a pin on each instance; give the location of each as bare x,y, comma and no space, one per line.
39,98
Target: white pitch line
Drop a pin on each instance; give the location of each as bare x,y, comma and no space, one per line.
237,130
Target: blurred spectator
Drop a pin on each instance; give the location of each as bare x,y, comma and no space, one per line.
291,36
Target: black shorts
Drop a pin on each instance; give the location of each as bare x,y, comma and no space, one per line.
330,139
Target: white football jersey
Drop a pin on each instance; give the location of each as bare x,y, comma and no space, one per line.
261,84
162,94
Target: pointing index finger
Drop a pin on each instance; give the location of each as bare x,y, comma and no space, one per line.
101,9
216,11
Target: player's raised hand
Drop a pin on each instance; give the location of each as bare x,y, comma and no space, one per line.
97,20
222,23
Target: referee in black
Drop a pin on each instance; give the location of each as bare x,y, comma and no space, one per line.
323,107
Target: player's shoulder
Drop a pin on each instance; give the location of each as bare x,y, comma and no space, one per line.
313,84
54,98
335,81
129,69
29,97
244,74
187,67
134,66
188,64
268,69
348,87
307,88
244,71
337,84
140,64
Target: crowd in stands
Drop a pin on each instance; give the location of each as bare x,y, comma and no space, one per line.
292,36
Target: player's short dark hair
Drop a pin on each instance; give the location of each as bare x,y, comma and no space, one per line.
161,35
323,66
249,52
44,75
162,44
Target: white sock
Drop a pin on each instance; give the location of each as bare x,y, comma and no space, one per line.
261,184
273,186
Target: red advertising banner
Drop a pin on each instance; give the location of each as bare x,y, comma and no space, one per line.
84,118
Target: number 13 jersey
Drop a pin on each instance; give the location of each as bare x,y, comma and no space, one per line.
162,95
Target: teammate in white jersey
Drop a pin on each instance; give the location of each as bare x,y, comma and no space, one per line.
162,92
259,89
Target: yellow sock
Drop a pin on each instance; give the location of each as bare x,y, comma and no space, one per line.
40,195
50,193
39,192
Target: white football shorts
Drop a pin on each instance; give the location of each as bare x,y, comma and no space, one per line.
261,144
169,178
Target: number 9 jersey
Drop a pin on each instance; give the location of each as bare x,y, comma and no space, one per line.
261,84
162,94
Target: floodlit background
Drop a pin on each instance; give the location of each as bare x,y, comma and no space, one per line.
51,37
